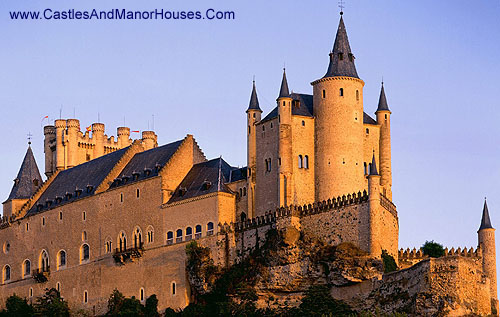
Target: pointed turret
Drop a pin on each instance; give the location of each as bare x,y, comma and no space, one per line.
485,220
284,92
28,179
341,58
373,166
382,101
254,101
486,241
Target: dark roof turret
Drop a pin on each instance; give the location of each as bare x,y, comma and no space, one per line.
382,101
341,58
485,220
28,179
254,101
373,166
284,92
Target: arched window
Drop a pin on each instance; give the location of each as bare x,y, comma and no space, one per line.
6,274
357,95
244,191
84,236
170,237
210,228
150,234
270,166
137,193
341,92
300,161
324,93
85,297
306,161
122,241
189,233
197,232
61,259
60,215
44,261
173,288
84,253
241,192
367,131
141,294
137,238
26,268
243,217
108,246
267,167
178,236
58,287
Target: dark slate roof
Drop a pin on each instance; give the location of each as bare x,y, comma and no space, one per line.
367,119
254,101
341,58
90,173
204,178
238,174
485,220
305,107
382,101
373,166
284,92
146,164
28,179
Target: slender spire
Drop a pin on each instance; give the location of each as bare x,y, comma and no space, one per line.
341,58
28,179
373,166
284,92
485,220
254,101
382,101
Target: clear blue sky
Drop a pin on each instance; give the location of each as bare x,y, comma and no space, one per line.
439,60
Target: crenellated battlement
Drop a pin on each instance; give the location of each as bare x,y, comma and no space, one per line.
304,210
410,257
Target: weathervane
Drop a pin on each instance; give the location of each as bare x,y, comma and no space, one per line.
29,137
341,6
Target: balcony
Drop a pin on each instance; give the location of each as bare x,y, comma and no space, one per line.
124,255
41,275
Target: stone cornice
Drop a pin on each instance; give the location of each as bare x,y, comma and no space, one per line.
337,78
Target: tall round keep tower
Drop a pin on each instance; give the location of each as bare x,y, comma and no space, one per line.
253,116
338,111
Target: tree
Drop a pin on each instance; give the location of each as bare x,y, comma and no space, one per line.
433,249
17,306
151,309
51,305
389,262
318,302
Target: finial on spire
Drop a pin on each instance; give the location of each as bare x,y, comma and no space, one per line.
29,138
341,6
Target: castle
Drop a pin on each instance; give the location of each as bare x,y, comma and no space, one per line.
118,214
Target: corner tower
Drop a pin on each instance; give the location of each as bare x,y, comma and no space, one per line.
285,162
338,109
384,119
486,241
253,116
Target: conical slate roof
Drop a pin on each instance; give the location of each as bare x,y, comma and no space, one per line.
341,58
373,166
254,101
28,179
382,101
485,220
284,92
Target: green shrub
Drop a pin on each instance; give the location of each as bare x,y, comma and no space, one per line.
433,249
17,306
389,262
318,302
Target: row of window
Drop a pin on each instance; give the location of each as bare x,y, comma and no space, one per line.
243,191
341,93
180,236
44,263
